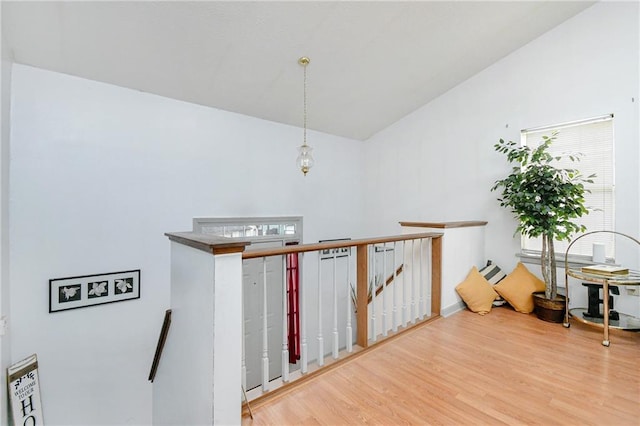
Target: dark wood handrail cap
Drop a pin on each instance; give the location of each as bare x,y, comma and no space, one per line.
210,243
444,225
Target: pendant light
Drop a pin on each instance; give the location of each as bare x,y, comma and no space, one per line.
304,160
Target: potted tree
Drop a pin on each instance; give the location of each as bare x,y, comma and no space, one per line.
545,199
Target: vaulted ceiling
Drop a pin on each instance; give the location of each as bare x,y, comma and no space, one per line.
371,62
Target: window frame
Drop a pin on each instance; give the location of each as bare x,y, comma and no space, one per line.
528,252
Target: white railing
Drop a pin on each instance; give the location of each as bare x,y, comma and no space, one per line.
384,285
404,297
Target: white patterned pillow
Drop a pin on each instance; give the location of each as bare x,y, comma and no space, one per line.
494,275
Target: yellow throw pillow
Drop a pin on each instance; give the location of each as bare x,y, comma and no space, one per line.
517,288
476,292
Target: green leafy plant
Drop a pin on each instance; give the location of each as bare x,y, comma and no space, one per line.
544,198
378,284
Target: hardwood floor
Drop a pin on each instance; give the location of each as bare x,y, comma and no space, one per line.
501,368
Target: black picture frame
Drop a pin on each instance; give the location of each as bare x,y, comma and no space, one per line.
91,290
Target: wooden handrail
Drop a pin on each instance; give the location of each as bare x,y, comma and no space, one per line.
445,225
390,279
303,248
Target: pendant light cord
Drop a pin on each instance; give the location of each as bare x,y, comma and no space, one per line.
305,105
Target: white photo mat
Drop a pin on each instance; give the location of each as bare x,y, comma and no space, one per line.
90,290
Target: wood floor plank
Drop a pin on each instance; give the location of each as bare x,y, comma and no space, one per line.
501,368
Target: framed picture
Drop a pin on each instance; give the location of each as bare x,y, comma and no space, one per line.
90,290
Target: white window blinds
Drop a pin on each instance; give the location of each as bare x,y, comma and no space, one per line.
593,138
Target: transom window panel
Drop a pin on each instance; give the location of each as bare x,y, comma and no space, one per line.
286,227
592,142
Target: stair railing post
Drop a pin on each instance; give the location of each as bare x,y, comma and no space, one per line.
362,296
436,274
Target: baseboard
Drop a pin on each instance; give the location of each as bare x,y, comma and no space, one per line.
452,309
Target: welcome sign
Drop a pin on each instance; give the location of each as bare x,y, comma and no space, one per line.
24,392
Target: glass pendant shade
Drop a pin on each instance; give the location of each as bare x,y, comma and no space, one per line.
305,159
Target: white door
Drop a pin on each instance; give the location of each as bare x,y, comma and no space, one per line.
253,274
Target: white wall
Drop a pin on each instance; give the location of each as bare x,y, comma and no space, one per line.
5,125
98,174
438,164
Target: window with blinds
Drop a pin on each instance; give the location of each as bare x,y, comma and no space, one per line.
593,140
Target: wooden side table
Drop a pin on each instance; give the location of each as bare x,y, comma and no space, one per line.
625,322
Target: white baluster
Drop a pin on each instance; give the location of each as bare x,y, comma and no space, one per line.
413,282
320,338
384,290
374,332
422,286
285,311
428,277
405,293
303,318
244,355
265,337
394,311
349,329
336,340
